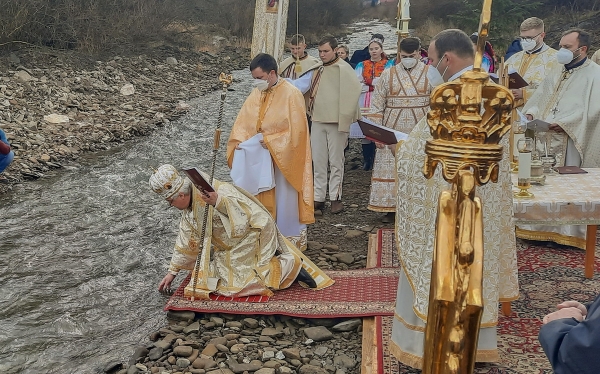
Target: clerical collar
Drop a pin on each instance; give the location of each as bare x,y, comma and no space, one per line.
331,62
303,56
571,67
457,75
536,50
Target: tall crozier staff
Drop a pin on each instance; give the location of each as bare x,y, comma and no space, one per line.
203,258
467,121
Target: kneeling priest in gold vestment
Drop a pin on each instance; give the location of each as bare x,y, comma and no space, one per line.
249,254
451,53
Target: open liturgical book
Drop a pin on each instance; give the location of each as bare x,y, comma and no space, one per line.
198,180
515,80
380,134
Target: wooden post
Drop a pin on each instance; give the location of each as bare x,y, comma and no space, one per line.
270,24
590,250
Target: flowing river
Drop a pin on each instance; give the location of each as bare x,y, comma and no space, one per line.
82,250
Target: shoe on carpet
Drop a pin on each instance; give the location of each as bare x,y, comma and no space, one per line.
305,278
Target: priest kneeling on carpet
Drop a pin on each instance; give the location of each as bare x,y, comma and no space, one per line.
570,337
249,254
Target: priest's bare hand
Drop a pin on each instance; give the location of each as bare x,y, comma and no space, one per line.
379,145
556,128
392,148
165,283
573,304
564,313
210,198
262,142
518,93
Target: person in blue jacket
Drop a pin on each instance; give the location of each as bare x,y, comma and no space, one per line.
570,337
6,155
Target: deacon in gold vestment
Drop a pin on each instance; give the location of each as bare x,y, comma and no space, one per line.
278,113
400,100
535,60
416,212
249,254
568,99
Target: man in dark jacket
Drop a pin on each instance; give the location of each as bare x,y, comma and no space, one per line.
571,337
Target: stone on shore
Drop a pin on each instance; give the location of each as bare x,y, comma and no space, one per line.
318,333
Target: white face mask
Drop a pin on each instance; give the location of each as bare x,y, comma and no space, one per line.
434,76
409,62
528,44
261,84
565,56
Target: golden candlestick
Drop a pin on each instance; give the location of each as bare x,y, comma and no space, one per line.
466,144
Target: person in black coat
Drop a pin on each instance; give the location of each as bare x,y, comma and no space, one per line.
570,337
363,54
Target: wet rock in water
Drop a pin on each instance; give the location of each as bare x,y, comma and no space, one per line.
350,325
140,352
113,367
318,333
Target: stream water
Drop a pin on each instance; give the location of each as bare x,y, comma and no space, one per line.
82,250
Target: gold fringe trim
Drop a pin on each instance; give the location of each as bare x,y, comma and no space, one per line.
544,236
381,209
406,358
408,325
487,355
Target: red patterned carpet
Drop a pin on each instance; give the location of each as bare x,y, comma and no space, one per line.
355,293
547,276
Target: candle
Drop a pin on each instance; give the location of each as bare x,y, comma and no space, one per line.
524,165
515,149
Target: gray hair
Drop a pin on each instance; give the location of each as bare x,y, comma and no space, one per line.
186,188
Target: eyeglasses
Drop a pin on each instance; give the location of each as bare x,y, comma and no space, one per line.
529,38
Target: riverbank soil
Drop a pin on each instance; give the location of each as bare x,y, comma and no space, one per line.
57,105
